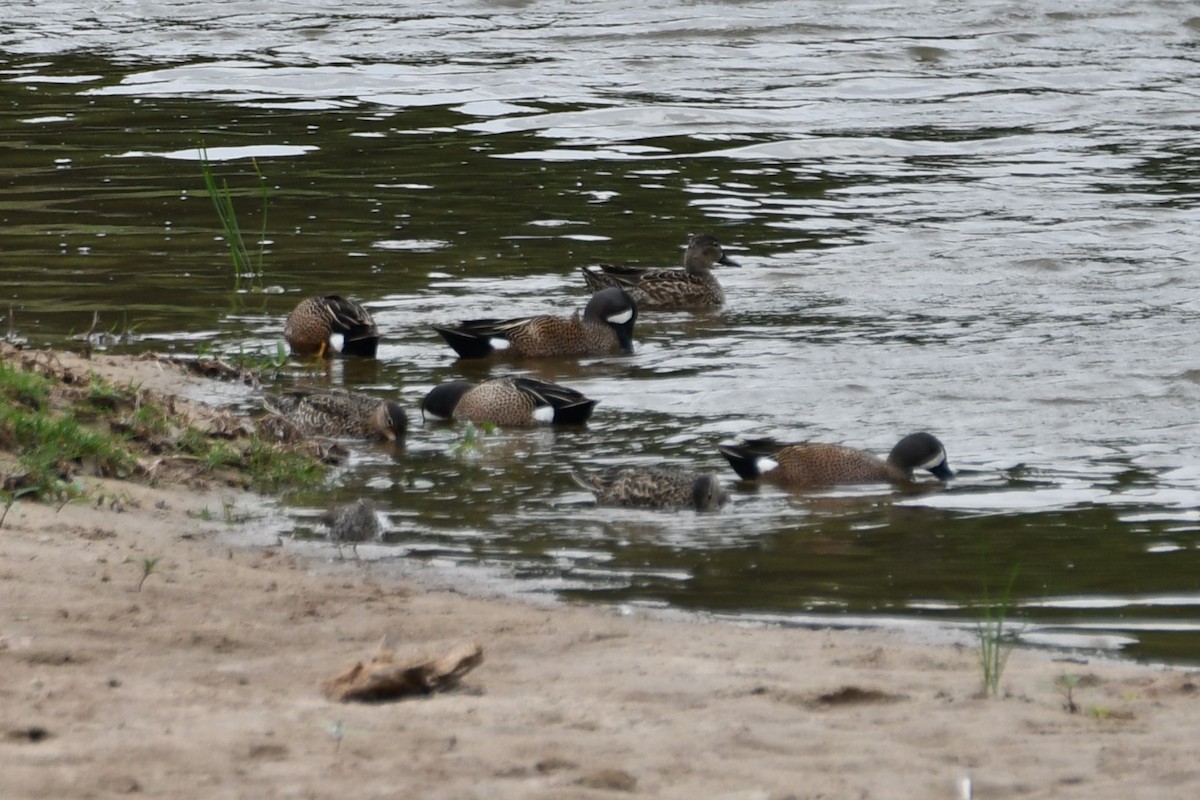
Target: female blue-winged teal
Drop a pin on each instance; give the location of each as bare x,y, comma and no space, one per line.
606,327
315,323
694,286
655,487
803,466
508,401
354,523
339,414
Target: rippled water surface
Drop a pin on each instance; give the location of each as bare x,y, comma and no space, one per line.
977,219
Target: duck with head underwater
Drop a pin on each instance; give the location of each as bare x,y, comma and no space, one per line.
812,465
606,327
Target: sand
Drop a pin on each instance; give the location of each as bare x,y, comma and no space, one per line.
206,683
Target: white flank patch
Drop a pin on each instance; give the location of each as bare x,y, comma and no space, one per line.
544,413
766,464
933,462
622,317
337,341
498,344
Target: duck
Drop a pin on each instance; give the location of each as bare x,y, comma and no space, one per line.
606,327
339,414
810,465
694,286
655,487
353,523
324,325
509,401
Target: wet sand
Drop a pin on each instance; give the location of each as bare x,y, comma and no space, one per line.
207,684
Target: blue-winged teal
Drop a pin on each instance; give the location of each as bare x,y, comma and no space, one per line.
508,401
339,414
314,323
655,487
803,466
606,327
353,523
694,286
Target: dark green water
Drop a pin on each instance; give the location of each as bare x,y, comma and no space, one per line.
981,224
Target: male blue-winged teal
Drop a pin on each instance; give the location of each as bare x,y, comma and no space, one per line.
353,523
606,327
803,466
339,414
508,401
694,286
317,322
655,487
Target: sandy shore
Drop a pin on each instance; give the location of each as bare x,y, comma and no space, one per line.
207,684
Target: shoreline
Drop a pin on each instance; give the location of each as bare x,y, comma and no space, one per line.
207,683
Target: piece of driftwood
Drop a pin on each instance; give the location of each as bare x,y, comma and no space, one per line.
383,678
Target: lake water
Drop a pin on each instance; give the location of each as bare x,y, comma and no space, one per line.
976,219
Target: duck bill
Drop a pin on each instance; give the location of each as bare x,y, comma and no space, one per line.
726,261
942,472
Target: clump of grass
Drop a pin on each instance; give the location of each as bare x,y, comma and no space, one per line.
267,464
275,466
147,565
996,639
244,266
27,389
108,396
1066,686
270,360
10,499
51,443
471,440
57,428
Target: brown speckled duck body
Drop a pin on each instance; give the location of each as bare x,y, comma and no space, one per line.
655,487
315,321
606,327
339,414
805,466
694,286
511,401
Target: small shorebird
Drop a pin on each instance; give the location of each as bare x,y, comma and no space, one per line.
352,524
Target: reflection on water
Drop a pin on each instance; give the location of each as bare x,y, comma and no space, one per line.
979,223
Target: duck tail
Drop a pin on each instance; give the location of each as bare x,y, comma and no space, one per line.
467,343
744,456
596,278
574,413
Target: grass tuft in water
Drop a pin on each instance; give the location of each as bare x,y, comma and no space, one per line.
245,267
471,438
